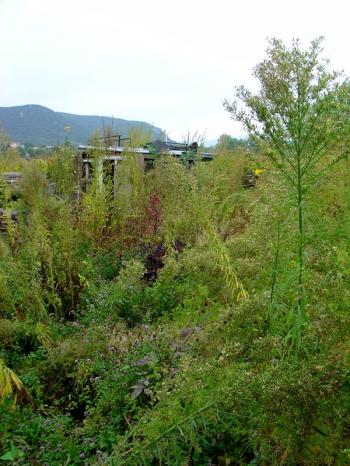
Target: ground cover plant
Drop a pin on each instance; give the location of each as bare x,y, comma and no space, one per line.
190,319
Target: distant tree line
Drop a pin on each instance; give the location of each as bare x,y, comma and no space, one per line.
227,142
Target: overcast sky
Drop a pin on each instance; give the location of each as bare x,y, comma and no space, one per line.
170,63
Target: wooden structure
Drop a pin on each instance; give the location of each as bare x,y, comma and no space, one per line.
11,178
109,158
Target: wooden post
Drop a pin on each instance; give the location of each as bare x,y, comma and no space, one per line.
78,171
141,161
86,178
115,179
87,171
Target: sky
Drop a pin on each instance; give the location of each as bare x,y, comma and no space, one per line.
170,63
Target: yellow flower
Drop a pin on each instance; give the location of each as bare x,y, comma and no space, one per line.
258,171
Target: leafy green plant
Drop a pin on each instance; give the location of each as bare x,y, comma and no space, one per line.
300,118
13,454
10,384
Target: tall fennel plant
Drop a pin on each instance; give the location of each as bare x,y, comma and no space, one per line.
300,117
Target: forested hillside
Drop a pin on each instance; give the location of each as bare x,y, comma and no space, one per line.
38,125
198,315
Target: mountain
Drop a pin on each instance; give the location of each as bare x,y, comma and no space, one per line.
38,125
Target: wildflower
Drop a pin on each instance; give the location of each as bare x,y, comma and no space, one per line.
258,171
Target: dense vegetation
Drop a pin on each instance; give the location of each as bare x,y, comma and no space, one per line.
188,321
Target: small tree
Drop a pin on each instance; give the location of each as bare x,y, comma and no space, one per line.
301,119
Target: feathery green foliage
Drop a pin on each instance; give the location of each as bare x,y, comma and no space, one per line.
301,119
